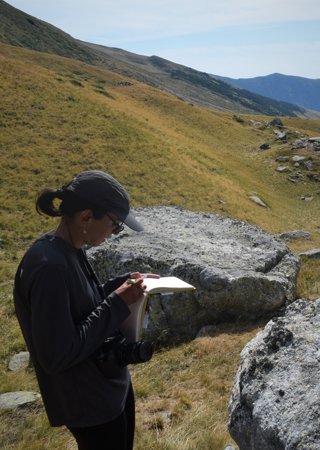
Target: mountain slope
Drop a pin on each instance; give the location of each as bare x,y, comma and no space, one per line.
298,90
23,30
198,87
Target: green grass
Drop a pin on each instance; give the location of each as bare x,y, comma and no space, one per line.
58,117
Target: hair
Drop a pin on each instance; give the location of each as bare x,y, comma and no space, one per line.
70,204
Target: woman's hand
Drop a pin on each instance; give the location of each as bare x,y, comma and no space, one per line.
131,292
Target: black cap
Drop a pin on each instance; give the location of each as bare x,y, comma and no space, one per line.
102,190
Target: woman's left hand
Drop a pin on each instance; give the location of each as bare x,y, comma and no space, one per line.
136,275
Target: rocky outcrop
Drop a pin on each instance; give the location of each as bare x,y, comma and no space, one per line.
311,143
301,167
239,270
275,400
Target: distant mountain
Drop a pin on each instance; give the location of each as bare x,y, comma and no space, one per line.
199,88
298,90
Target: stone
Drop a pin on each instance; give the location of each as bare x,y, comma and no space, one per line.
283,169
313,146
19,399
299,143
296,234
282,135
282,158
275,398
164,418
20,361
276,122
258,125
297,158
313,177
312,254
240,271
238,118
258,201
307,164
307,198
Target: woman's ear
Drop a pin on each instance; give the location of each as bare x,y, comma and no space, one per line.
86,216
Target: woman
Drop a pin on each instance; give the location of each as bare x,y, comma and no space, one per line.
66,315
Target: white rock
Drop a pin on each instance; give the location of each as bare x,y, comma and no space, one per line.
19,361
13,400
275,399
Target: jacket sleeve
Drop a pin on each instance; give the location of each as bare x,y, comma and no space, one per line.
113,284
58,341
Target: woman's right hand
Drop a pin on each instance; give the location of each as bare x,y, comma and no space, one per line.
131,292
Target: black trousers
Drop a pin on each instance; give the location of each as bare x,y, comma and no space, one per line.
115,435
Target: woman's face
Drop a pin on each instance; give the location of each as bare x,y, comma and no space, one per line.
98,230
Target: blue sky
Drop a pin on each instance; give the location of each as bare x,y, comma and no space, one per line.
234,38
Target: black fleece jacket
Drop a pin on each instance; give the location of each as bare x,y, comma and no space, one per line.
65,316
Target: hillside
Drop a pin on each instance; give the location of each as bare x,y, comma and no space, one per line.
198,87
298,90
22,30
59,116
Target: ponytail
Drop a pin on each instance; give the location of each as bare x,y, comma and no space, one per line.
69,205
44,202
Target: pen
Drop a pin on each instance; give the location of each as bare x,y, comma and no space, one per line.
131,281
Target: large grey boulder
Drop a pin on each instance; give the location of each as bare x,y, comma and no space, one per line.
240,271
276,396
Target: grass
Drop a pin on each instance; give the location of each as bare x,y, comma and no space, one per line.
309,280
180,393
58,117
189,383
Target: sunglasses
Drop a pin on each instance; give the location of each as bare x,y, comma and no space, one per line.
117,227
